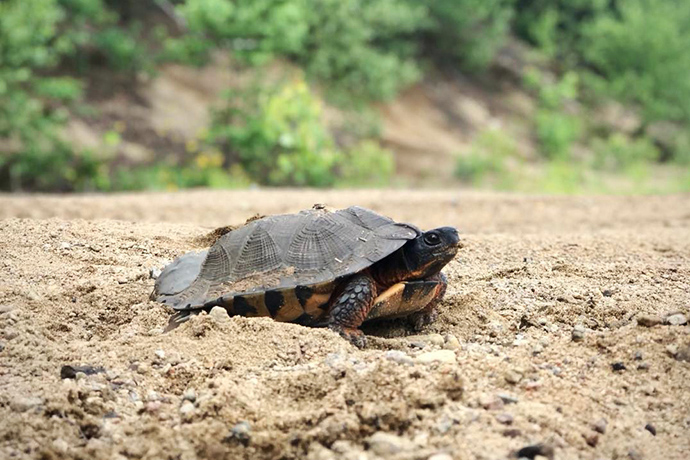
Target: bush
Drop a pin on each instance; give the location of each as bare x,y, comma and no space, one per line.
276,134
468,31
487,158
362,49
619,152
36,37
556,128
642,52
29,103
367,165
255,30
555,26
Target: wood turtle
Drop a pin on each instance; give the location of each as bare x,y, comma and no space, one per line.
316,268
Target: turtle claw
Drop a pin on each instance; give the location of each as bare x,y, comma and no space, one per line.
423,318
353,335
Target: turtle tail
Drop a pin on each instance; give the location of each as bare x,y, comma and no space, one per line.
180,318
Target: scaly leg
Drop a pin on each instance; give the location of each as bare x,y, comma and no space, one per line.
429,314
351,308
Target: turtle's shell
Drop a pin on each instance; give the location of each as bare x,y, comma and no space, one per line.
291,250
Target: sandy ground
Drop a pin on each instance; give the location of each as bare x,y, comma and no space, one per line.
563,325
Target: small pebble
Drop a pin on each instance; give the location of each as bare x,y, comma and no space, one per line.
122,280
651,428
160,354
536,449
187,408
600,425
154,273
6,308
578,333
189,395
507,399
71,372
592,439
440,457
241,433
432,339
678,319
220,314
672,350
342,446
25,404
638,356
504,418
512,433
513,377
60,445
634,455
490,402
618,366
152,396
683,353
442,356
152,407
648,320
398,356
452,343
387,444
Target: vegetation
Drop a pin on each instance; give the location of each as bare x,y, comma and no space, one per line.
55,53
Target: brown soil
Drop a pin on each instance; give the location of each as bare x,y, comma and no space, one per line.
500,370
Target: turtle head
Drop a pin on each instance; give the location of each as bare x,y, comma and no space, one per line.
429,252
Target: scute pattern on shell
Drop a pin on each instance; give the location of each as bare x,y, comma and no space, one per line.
284,251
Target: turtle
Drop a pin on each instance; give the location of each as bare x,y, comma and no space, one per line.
316,268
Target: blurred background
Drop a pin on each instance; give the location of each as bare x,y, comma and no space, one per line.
545,96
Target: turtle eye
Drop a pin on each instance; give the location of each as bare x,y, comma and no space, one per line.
432,239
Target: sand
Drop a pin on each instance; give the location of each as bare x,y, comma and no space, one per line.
564,324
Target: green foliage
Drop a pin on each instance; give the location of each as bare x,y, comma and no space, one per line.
36,36
469,31
556,128
367,165
555,25
360,48
33,153
642,51
487,159
619,152
561,177
255,30
205,170
276,134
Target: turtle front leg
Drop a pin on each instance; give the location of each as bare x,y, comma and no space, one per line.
429,313
351,308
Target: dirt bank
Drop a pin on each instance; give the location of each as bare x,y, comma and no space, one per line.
538,339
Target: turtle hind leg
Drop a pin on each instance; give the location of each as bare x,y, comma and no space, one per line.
351,308
429,313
